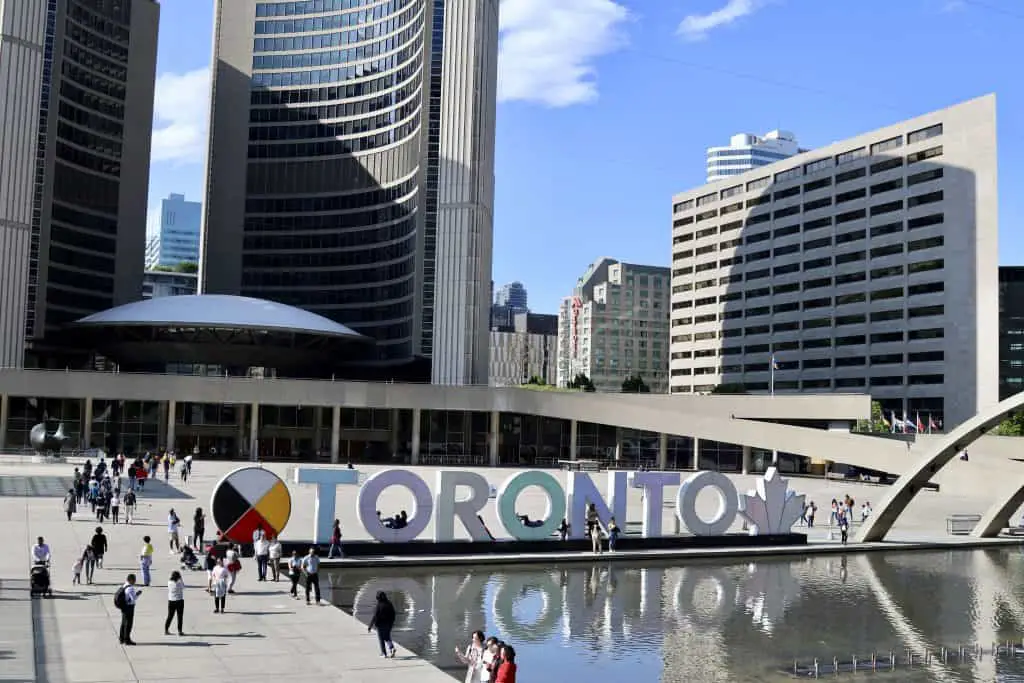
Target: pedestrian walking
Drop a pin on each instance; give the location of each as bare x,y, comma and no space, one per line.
261,549
383,620
219,586
844,527
70,503
129,506
167,468
294,572
198,528
146,559
88,562
173,529
76,571
311,568
210,562
275,558
175,602
99,548
188,464
184,471
233,564
115,505
335,548
125,599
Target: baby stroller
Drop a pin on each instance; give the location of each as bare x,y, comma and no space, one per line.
39,580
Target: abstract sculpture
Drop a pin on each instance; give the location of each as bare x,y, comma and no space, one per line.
47,443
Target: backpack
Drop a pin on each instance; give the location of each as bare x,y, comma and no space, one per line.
120,602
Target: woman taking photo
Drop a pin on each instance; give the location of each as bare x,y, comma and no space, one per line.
473,657
175,602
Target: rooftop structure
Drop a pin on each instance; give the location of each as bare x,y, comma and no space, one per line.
746,151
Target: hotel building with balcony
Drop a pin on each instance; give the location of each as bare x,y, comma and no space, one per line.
869,265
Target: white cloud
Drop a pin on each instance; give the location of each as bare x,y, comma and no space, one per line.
180,114
697,26
548,48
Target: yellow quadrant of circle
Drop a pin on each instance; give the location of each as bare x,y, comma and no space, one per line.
275,506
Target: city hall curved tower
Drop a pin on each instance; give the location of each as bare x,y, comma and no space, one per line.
350,171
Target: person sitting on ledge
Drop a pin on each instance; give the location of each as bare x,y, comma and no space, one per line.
525,519
401,520
563,529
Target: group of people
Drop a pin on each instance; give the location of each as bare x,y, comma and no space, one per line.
96,487
488,660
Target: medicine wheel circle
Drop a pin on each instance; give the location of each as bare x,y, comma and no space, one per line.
248,499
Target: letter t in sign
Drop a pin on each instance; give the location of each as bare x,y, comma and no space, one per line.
326,482
653,485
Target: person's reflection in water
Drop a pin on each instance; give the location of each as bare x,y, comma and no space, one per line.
842,569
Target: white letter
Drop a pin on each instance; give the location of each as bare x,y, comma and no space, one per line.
323,504
686,504
653,485
367,505
448,508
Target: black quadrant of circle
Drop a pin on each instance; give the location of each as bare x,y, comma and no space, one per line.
228,506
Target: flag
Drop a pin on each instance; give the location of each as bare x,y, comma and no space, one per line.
775,365
895,423
931,424
886,422
907,424
919,425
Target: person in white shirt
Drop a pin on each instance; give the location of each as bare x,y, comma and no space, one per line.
115,504
175,602
232,564
173,525
219,586
261,548
275,558
40,551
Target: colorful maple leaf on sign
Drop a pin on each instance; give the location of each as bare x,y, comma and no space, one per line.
772,508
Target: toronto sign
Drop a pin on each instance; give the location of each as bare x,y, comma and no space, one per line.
461,495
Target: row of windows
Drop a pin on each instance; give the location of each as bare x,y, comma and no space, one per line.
334,111
87,140
88,119
333,240
329,22
93,81
814,363
829,302
283,9
293,270
817,323
839,198
320,222
345,202
290,78
786,231
805,385
748,152
334,39
329,57
96,43
277,98
333,147
62,213
104,26
114,70
91,101
334,130
878,167
87,160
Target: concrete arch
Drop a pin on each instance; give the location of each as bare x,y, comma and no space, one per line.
997,517
932,460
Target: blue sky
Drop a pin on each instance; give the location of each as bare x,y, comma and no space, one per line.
606,106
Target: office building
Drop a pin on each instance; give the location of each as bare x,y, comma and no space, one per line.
869,265
351,171
513,295
158,283
616,325
746,152
525,349
1011,330
76,82
176,239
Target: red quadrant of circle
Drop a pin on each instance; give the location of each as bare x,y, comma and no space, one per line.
242,530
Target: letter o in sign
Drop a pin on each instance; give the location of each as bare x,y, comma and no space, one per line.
370,491
728,503
509,494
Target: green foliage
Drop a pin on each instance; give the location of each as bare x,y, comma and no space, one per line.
634,384
729,389
187,267
1013,425
581,382
877,424
536,380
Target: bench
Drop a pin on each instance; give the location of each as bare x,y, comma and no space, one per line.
961,525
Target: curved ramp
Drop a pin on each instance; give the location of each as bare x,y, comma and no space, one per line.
934,458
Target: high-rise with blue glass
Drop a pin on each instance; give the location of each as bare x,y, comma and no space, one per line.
351,170
176,238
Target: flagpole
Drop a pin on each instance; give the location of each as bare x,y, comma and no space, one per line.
771,384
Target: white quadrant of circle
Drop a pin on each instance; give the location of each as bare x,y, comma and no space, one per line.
253,483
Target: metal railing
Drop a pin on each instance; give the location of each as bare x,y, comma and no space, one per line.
903,659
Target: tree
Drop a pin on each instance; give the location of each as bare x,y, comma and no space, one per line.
582,382
634,384
187,267
1013,425
877,424
729,389
536,380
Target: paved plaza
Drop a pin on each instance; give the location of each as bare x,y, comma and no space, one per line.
73,637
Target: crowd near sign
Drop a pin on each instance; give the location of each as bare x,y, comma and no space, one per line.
462,494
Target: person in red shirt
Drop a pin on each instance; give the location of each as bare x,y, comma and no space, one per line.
507,670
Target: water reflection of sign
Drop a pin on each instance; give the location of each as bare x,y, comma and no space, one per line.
539,605
771,509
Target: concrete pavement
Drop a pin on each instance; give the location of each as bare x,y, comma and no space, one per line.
72,638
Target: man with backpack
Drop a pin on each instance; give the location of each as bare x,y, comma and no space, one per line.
124,600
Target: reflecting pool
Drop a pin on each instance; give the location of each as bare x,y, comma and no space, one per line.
703,621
